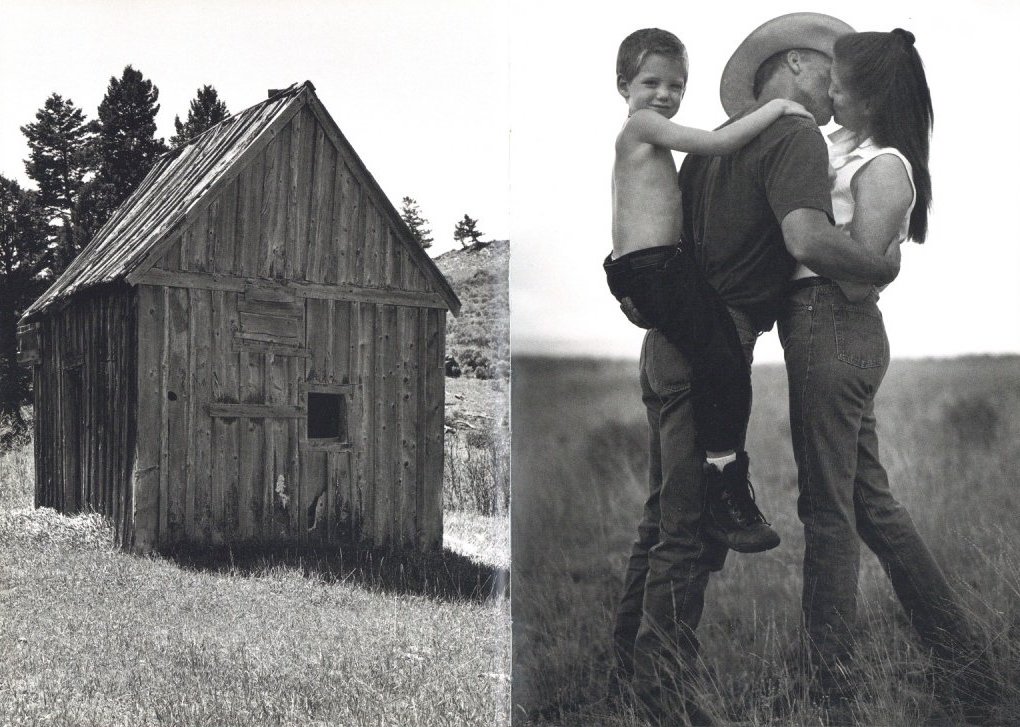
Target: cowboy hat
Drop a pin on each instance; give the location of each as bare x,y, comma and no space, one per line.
813,31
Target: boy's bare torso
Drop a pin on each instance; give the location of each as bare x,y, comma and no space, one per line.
646,196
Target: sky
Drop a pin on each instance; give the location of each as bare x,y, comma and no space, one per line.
507,111
958,293
421,93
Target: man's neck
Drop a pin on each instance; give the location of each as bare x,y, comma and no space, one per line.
774,90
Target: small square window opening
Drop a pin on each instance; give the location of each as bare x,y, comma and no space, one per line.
327,417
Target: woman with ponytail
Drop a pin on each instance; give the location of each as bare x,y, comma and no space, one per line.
837,353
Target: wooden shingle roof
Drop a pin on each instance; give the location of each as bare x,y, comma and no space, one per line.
179,182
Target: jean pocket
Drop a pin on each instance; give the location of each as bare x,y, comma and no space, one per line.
666,368
860,337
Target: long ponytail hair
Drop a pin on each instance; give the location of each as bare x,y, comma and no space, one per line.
885,70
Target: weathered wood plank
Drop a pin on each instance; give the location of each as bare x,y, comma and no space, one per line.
251,467
294,377
225,440
341,342
300,195
210,281
432,507
84,325
180,493
348,234
274,201
270,328
277,434
281,212
223,249
315,517
286,309
322,210
201,424
255,411
202,231
387,498
407,429
421,424
251,345
392,263
363,415
147,452
383,296
317,334
249,216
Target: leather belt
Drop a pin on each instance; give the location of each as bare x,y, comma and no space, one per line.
801,283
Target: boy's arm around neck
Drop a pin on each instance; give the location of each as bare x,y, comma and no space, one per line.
650,127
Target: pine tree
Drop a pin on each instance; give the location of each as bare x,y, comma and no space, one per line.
127,148
60,146
206,111
467,229
24,259
418,225
61,153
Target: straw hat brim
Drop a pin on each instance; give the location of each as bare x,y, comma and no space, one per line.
813,31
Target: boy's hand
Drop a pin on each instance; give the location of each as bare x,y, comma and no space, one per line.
627,306
792,108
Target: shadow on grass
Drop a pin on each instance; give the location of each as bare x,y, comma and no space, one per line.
440,574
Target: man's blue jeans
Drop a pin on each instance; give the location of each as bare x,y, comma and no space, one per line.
836,354
664,586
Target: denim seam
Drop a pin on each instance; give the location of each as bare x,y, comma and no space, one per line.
809,473
806,489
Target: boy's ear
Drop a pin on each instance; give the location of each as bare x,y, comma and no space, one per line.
622,85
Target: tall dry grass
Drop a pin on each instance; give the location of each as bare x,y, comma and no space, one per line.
949,433
90,635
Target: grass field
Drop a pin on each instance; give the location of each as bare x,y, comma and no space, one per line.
949,431
93,636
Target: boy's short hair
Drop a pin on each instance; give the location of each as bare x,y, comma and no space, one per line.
641,43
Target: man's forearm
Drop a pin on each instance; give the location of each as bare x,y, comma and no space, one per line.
831,252
840,257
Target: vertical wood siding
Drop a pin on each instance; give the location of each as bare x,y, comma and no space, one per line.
85,404
154,360
298,212
245,478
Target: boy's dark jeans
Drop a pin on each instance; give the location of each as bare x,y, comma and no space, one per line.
667,288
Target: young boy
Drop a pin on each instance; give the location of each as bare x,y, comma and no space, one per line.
650,272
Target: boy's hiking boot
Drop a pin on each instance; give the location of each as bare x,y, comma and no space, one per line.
730,514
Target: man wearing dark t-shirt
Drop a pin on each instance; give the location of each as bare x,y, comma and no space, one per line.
749,217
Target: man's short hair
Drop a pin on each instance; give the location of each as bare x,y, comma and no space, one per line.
641,43
772,64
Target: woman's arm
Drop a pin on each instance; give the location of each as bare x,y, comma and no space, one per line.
650,127
882,195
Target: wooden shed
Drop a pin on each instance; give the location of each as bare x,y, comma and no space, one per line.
251,350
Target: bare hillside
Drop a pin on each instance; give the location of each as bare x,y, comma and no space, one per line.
479,275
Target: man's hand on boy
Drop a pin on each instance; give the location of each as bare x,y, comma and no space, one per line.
627,306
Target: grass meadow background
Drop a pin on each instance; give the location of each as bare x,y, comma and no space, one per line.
949,433
90,635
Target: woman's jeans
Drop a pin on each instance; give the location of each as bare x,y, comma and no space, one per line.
836,356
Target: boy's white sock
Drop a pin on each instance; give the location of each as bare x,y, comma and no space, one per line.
720,462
